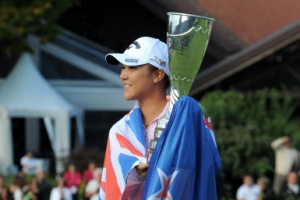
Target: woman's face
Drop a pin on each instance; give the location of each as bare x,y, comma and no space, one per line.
12,188
92,166
60,183
71,168
137,82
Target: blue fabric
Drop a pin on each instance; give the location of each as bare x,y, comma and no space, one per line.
185,160
135,122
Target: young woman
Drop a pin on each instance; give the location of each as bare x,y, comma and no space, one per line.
145,78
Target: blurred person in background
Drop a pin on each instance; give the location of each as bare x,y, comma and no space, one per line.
286,156
88,173
291,188
28,163
3,190
43,186
60,192
73,180
15,191
21,179
248,190
29,191
92,188
266,191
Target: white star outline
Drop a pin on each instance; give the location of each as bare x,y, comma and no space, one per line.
162,177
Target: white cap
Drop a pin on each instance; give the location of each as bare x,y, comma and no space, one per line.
142,51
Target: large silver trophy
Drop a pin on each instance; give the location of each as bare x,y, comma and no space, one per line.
187,40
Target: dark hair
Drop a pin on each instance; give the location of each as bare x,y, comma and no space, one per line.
165,79
92,161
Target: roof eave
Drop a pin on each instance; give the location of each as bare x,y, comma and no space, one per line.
246,57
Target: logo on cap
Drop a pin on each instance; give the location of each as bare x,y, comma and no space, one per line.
131,60
136,44
158,61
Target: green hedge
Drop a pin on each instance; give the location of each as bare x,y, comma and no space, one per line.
246,124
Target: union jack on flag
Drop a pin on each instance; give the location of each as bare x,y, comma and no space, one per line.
126,146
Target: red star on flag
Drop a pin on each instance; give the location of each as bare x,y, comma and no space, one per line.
165,181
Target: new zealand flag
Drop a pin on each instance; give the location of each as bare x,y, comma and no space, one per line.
185,160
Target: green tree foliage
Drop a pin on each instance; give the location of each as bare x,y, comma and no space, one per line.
245,125
19,18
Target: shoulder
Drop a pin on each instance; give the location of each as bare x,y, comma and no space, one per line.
66,174
24,158
86,172
121,120
55,189
241,188
295,150
91,184
240,191
78,174
120,124
187,102
256,187
66,190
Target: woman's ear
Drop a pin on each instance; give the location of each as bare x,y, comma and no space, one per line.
159,75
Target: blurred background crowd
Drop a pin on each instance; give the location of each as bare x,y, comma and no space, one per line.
285,184
32,183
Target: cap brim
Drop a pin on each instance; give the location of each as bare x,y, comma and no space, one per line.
110,59
125,59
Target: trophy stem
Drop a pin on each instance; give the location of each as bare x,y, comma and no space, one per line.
162,123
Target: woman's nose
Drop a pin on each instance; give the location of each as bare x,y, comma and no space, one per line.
123,74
